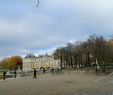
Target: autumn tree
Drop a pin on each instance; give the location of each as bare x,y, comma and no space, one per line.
12,63
8,64
18,61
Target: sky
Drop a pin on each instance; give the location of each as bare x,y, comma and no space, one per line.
26,28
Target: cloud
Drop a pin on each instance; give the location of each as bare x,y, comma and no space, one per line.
24,27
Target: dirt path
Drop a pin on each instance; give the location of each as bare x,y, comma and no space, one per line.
69,83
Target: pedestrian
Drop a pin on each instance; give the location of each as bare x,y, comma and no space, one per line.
35,72
15,73
44,70
4,75
58,69
52,70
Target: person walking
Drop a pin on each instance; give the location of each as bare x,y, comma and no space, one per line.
35,72
4,75
44,70
15,73
52,70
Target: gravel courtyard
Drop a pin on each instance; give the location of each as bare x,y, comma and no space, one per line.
68,83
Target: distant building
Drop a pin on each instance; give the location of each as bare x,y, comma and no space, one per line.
31,62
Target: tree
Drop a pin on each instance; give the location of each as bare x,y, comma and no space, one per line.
95,49
58,54
8,64
12,63
69,50
18,61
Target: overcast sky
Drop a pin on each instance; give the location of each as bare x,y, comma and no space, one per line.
24,27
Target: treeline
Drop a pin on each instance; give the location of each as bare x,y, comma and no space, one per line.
86,54
12,63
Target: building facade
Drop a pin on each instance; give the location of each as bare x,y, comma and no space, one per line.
31,62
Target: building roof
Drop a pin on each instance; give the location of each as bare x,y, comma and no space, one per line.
30,55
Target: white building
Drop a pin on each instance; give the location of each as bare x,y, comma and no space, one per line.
31,61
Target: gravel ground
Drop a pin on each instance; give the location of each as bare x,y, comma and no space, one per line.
68,83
